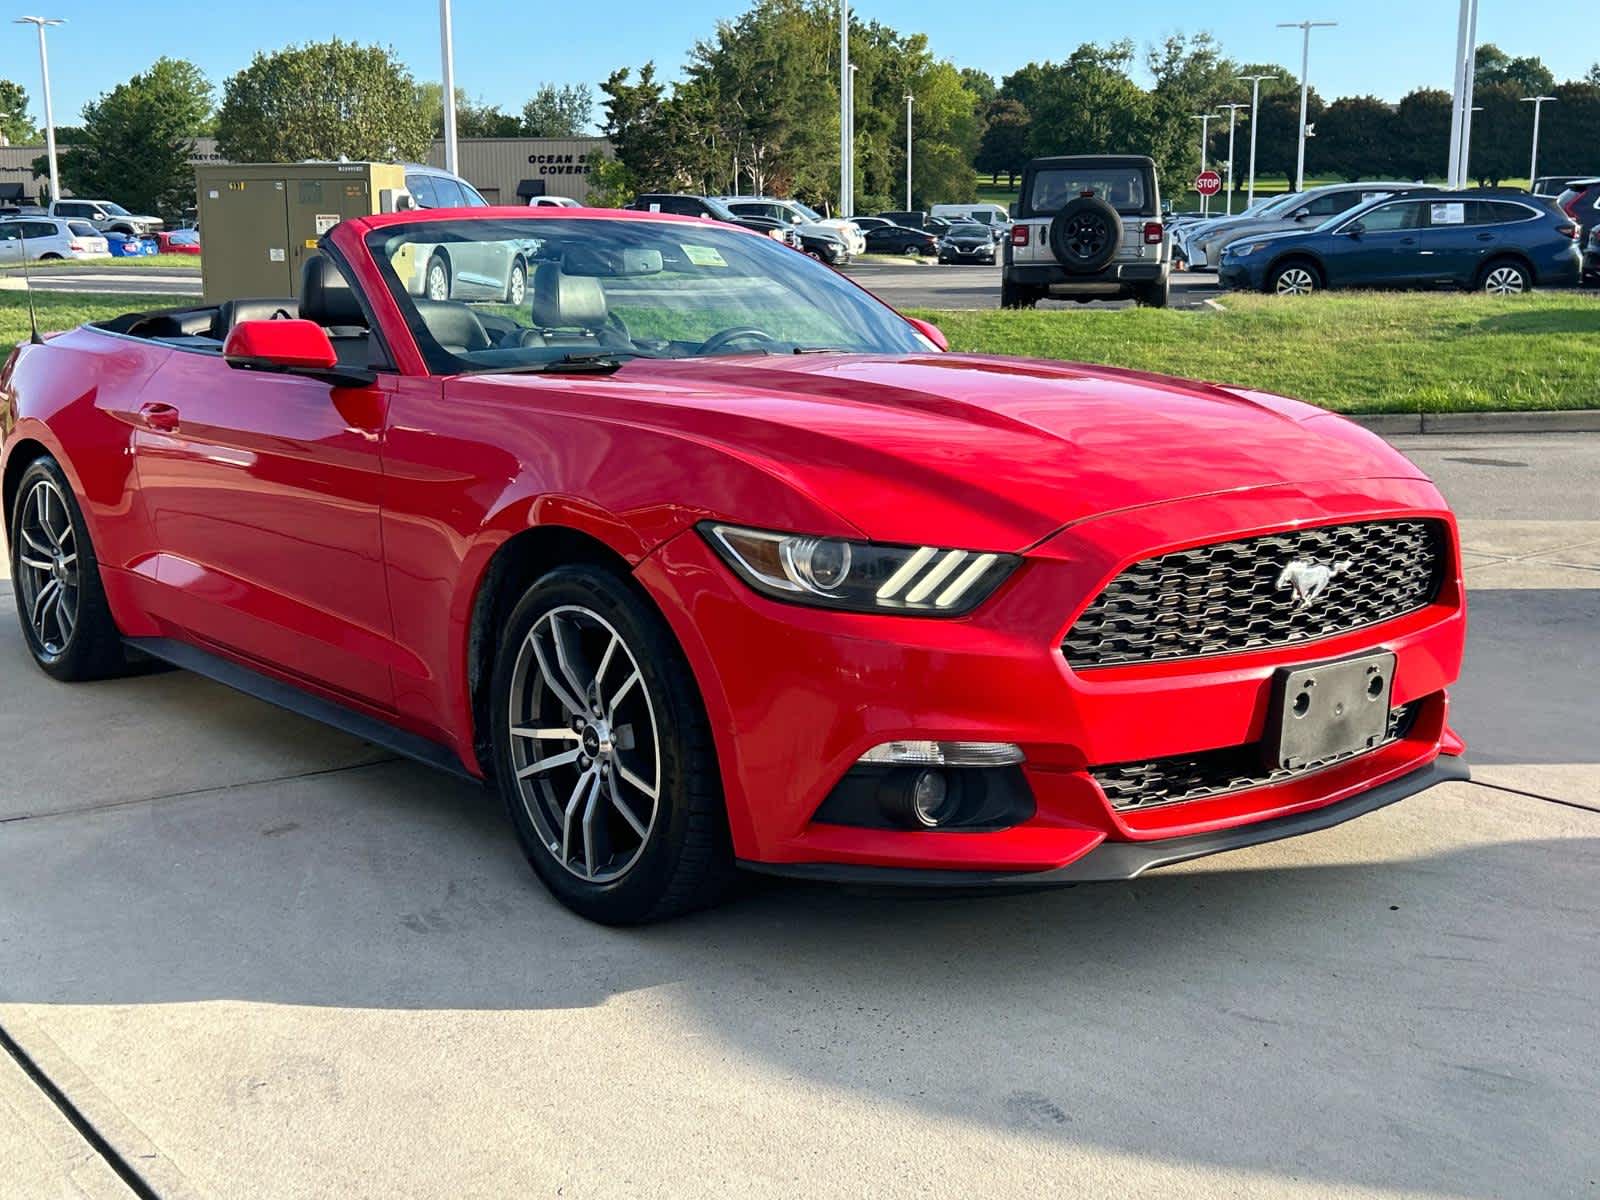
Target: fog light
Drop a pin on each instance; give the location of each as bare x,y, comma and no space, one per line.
922,799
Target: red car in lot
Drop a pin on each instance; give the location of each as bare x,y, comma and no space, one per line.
704,557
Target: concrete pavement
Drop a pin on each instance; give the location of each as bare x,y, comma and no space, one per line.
263,961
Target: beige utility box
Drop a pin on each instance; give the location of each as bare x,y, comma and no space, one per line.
259,221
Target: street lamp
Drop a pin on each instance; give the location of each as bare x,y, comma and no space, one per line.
1538,103
1255,104
1465,75
1305,66
849,209
1205,120
1233,117
447,51
908,151
49,115
845,174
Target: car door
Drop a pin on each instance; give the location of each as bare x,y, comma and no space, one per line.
1381,247
10,242
263,492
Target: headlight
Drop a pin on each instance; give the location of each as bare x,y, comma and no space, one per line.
860,576
1241,251
778,235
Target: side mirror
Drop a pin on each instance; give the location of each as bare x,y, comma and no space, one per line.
1356,230
1301,215
930,331
290,347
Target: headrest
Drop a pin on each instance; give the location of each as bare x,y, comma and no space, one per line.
453,325
231,312
325,296
562,301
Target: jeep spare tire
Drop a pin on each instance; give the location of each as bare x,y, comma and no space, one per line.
1085,235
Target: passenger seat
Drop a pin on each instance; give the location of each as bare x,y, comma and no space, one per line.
231,312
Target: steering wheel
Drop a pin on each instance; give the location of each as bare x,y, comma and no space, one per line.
727,337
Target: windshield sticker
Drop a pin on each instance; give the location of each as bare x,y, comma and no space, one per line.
703,256
1449,214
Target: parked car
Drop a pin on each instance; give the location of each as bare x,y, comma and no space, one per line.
552,202
1088,228
897,239
467,271
1503,245
806,220
1308,210
700,561
48,238
178,241
1591,260
711,209
967,242
1551,186
1581,202
910,219
991,216
106,216
867,224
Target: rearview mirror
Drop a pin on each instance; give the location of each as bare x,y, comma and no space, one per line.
930,331
611,263
290,347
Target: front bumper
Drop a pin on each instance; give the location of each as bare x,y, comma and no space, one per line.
1238,276
796,695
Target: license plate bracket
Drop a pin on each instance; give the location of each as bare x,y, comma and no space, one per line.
1328,710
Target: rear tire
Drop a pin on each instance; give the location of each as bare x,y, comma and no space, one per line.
1505,277
517,284
55,576
1015,295
436,280
618,803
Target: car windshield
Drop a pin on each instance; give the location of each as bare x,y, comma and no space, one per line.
1350,214
807,211
498,294
116,210
1121,187
968,228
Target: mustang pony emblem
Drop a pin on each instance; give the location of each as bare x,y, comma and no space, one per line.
1309,579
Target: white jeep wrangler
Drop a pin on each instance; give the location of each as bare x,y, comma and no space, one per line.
1088,227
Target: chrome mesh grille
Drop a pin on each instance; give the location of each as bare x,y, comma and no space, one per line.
1160,781
1225,598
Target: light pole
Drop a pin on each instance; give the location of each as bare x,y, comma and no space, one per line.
447,51
1305,67
49,114
844,108
1538,103
1205,120
1255,106
850,118
1466,70
908,151
1233,118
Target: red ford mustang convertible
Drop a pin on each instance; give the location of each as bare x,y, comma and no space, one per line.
706,558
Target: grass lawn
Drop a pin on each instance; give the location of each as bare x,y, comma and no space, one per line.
159,262
1353,352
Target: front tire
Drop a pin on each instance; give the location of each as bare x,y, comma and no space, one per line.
517,284
55,576
1294,278
603,753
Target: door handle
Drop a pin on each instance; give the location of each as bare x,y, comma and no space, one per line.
1408,241
1486,237
161,417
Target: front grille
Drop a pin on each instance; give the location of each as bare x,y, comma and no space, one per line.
1232,596
1161,781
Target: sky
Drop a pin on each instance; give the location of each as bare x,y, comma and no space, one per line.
504,50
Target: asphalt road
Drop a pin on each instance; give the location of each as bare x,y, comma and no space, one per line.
263,960
907,285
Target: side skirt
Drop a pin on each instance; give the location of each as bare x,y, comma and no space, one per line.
296,700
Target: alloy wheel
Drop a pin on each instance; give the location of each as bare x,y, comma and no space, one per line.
517,291
1296,281
585,746
1086,236
47,560
438,286
1505,281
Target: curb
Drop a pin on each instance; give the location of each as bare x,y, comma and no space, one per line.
1577,420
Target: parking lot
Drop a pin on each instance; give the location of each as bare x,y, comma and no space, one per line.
258,957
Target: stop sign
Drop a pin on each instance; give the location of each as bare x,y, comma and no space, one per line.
1208,183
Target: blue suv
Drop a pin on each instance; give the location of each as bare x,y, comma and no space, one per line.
1497,242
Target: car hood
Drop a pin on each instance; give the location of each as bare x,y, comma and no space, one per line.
988,453
1272,237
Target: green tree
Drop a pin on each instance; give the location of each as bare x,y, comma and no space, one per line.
138,138
559,112
473,119
1495,66
323,100
1356,138
1191,75
1004,144
1086,105
1566,136
982,86
636,124
1593,76
1422,134
15,123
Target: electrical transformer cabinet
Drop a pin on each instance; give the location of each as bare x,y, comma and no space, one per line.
259,221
